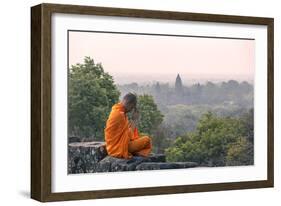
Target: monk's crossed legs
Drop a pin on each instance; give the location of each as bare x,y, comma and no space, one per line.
141,146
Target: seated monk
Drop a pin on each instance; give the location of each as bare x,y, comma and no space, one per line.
121,135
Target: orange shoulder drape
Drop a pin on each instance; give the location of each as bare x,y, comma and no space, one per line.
118,133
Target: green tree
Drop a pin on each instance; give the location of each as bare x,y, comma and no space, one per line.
91,94
150,117
160,138
240,153
248,122
150,121
214,140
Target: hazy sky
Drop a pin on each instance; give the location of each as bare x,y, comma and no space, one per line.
148,55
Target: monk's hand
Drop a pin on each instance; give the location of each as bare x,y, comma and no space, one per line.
132,125
135,115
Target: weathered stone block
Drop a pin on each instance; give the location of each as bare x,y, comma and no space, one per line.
83,156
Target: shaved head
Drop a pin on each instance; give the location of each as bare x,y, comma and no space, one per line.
129,101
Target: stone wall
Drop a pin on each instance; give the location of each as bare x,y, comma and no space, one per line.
89,157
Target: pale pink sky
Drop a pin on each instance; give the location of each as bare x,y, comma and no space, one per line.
150,54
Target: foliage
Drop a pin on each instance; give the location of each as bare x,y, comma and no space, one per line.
150,117
226,93
150,122
91,94
182,110
240,153
215,142
160,138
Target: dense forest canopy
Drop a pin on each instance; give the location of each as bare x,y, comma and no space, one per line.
182,106
217,141
225,93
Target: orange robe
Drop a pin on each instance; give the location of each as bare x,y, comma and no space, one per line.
120,138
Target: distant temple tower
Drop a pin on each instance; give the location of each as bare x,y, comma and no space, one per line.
157,87
178,84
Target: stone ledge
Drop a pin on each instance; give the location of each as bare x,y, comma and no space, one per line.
113,164
165,165
90,157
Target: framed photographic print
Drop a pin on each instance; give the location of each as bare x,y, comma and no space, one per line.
129,102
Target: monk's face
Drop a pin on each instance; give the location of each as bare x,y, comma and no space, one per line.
129,106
